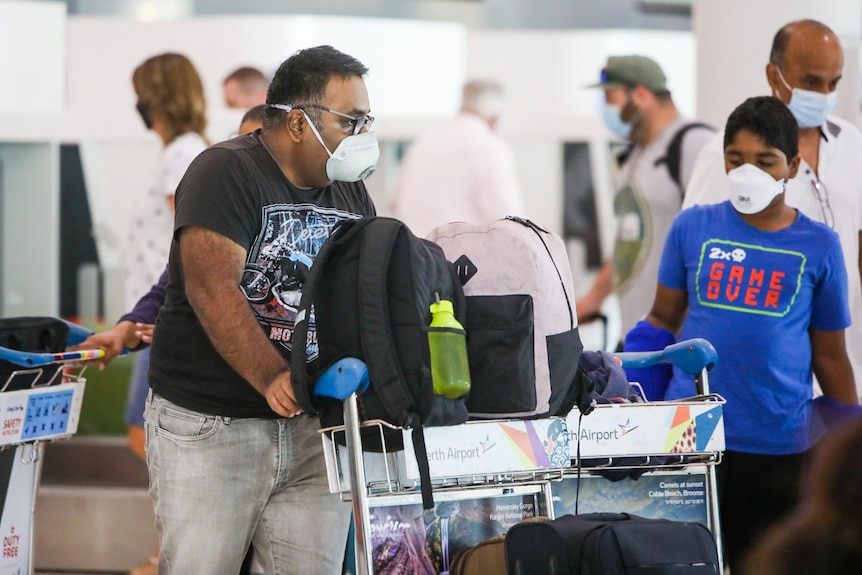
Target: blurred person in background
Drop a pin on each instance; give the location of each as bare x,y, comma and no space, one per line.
245,88
824,535
650,185
462,171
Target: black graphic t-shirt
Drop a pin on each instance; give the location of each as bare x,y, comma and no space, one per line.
236,189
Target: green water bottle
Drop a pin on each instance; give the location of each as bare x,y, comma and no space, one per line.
447,341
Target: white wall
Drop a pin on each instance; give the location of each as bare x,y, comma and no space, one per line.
32,41
413,64
32,80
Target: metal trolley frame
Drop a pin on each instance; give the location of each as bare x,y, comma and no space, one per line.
363,477
39,402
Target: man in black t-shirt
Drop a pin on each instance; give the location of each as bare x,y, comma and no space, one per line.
232,459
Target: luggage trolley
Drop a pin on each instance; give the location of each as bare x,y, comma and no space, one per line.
530,459
41,394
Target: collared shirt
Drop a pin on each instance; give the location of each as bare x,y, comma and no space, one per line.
461,172
840,173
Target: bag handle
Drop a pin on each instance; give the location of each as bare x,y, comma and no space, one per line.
378,345
538,231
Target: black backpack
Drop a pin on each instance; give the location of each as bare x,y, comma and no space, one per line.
673,155
371,286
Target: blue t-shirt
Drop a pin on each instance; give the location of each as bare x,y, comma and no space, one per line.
754,294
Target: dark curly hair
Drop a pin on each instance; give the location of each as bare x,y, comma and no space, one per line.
769,118
302,79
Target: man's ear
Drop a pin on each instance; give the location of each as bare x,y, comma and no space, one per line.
772,79
641,97
296,124
794,166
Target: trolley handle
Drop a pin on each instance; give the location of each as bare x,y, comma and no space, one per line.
27,359
692,356
77,334
342,379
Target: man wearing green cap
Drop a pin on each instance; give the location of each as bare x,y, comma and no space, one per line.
651,181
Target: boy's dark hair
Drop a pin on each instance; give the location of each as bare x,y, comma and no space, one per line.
302,79
769,118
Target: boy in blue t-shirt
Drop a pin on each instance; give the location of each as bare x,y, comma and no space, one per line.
767,287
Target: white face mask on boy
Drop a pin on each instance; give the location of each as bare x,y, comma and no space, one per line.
752,189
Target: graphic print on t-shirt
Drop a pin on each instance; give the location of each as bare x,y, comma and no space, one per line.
633,238
748,278
278,263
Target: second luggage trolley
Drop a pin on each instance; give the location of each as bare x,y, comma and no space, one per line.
488,475
41,394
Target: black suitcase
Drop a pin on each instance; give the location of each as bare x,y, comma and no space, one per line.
610,544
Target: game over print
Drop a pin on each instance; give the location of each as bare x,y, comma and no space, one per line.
748,278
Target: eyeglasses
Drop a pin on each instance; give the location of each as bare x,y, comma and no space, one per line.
355,126
823,197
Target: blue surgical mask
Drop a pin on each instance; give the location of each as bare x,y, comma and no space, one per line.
808,107
614,122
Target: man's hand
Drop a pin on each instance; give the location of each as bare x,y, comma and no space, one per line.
280,396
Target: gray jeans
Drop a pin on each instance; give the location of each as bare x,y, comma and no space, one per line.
219,483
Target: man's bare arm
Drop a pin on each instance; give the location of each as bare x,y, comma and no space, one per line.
213,266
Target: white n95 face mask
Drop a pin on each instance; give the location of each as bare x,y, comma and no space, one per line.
808,107
354,159
752,189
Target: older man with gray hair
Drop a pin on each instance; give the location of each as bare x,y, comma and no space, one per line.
462,171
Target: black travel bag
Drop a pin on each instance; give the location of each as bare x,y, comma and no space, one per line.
610,544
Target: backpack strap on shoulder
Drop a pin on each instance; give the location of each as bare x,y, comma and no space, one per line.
673,153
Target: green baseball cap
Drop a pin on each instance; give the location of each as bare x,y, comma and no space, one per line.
632,71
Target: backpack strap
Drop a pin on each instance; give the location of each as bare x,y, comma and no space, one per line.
300,379
378,344
673,153
539,231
